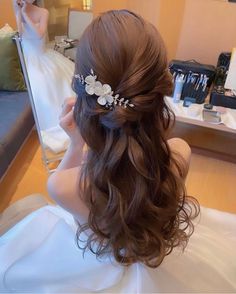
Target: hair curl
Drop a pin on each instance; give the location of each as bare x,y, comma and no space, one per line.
138,206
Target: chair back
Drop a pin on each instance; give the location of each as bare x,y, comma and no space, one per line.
78,20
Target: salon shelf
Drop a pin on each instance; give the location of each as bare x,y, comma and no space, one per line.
212,140
196,122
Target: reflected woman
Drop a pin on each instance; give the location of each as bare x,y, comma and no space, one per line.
49,72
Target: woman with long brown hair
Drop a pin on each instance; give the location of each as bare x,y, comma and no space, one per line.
126,190
132,185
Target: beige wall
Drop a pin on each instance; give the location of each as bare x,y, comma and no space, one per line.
149,9
100,6
166,15
7,14
209,27
192,29
170,22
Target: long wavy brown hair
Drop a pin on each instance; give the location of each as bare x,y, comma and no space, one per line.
131,183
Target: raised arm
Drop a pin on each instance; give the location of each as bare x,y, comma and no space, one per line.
63,183
17,10
70,164
74,154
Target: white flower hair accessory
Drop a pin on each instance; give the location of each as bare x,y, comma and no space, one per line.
104,92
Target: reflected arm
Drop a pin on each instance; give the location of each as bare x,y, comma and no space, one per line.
18,15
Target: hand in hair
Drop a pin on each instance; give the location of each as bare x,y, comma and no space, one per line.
17,4
67,121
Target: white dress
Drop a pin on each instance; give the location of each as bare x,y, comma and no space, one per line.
50,75
39,255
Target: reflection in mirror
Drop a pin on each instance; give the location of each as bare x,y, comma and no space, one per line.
48,75
58,14
46,156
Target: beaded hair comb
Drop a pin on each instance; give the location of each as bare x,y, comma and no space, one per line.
103,91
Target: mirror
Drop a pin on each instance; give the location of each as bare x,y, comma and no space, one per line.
48,71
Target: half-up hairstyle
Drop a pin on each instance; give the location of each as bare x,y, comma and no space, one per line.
130,182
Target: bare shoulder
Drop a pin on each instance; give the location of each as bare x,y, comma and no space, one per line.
63,182
180,146
42,12
45,11
181,152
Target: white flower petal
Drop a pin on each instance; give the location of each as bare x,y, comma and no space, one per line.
90,80
109,99
98,84
101,100
98,90
89,89
106,89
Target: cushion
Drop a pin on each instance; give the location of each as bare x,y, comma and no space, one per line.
11,77
16,121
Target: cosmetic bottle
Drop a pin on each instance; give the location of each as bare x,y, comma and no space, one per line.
179,82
